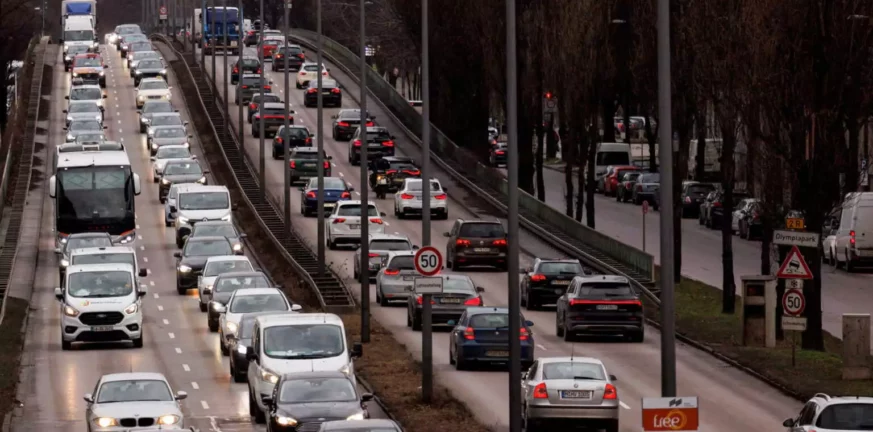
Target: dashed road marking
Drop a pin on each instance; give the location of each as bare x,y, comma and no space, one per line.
137,226
172,336
145,259
152,283
357,193
166,321
142,248
186,367
178,350
341,174
540,346
624,405
204,404
139,237
195,386
160,308
157,296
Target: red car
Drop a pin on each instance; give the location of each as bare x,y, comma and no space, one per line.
268,47
610,186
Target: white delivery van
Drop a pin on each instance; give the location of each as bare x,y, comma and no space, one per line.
79,31
611,154
854,237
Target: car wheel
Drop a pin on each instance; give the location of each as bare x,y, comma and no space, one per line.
179,289
849,266
618,196
239,377
559,329
222,347
202,307
66,345
416,323
137,343
451,359
254,411
531,302
213,326
330,244
460,363
383,301
568,335
638,337
611,426
833,259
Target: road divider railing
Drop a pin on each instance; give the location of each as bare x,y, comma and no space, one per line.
332,293
596,249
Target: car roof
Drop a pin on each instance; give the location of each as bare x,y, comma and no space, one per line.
82,102
81,86
603,278
398,158
359,424
305,149
477,310
228,258
152,79
566,359
243,273
126,376
208,238
381,236
377,129
354,202
86,268
255,291
205,188
315,375
276,105
299,318
167,114
392,254
175,146
102,250
88,235
183,186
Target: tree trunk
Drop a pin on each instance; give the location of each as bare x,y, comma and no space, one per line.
590,179
582,143
608,115
652,139
728,284
570,158
541,182
4,75
700,157
680,173
852,172
551,139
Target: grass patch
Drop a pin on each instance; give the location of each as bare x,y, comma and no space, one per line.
12,343
386,364
699,317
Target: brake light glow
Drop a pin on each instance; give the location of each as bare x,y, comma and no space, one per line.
469,333
357,143
394,273
376,221
339,220
523,334
346,195
266,87
373,255
414,173
576,302
852,237
407,196
540,391
311,91
279,140
235,69
301,56
326,165
310,194
391,172
293,164
258,71
475,301
610,392
324,73
370,124
335,90
440,196
342,124
716,204
500,242
462,242
302,73
278,56
245,86
688,200
537,278
500,152
308,140
251,105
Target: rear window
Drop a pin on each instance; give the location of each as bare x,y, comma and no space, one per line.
378,135
606,289
846,417
650,178
613,158
572,370
485,230
305,155
310,68
700,189
390,245
251,82
492,320
402,263
355,210
560,268
274,111
250,63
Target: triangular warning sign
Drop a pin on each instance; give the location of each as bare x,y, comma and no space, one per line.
794,266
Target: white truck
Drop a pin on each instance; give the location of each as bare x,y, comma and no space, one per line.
71,8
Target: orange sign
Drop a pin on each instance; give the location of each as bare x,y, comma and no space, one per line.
679,414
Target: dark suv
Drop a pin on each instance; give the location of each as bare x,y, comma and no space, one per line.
380,143
250,65
296,57
547,281
346,123
476,242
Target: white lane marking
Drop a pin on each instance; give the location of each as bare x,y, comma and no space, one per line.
145,259
119,122
152,283
116,106
160,308
357,193
624,405
119,129
398,233
172,336
166,321
204,404
540,346
157,296
137,226
118,114
148,272
142,248
178,350
186,367
139,237
386,223
341,175
195,386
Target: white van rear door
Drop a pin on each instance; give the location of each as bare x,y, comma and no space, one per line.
863,227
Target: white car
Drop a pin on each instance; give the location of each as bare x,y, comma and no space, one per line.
167,153
130,401
87,92
216,266
408,199
344,224
249,300
308,73
152,89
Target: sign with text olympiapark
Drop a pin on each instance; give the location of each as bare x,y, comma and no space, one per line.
795,238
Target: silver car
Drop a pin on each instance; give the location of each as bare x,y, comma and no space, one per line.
408,200
379,246
562,391
124,400
216,266
395,282
167,153
83,110
82,126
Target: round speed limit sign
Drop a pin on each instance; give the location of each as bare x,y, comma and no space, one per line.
428,261
793,302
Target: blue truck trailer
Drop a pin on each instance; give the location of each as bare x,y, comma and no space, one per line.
227,21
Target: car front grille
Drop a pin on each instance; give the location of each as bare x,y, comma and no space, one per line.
134,422
155,97
101,318
311,426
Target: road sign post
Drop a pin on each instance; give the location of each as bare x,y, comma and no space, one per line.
645,211
163,13
793,305
794,266
428,263
675,414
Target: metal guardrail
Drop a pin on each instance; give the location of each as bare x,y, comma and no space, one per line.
596,249
332,293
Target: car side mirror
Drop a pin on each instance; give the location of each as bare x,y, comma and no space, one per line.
88,398
366,397
393,137
296,308
523,271
332,117
104,96
65,128
529,323
480,289
59,294
445,190
383,214
190,136
312,135
173,209
153,158
143,272
357,350
267,400
416,247
446,234
451,323
330,158
180,395
613,378
57,251
206,171
67,97
139,111
105,127
218,307
177,254
250,354
788,423
186,124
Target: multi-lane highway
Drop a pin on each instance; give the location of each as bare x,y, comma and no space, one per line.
724,391
177,340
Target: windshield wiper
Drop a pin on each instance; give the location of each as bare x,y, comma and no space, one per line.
585,378
309,356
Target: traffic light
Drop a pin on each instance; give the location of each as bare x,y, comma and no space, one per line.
548,95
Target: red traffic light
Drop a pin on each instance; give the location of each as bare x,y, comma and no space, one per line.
548,95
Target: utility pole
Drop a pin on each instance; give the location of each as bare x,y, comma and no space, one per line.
427,328
285,144
320,140
262,198
365,203
239,65
202,34
225,112
512,219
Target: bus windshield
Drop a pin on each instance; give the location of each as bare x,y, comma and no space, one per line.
95,194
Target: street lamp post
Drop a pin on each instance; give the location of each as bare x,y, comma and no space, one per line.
285,144
320,140
239,68
365,229
427,328
512,219
225,112
262,165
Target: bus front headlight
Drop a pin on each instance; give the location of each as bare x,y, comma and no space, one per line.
202,180
65,263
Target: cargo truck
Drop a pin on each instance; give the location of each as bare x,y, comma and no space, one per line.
218,22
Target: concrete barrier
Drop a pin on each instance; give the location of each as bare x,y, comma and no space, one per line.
856,347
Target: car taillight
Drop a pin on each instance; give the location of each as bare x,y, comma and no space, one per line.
326,165
266,87
370,124
245,86
500,152
500,242
394,273
258,71
538,278
373,255
293,164
475,301
302,73
440,196
339,220
252,106
407,196
342,124
610,392
852,237
687,200
279,140
391,172
469,333
301,56
357,143
324,73
376,221
346,195
716,204
310,194
639,187
540,391
335,90
420,301
523,334
308,140
312,91
235,70
462,242
576,302
278,56
412,173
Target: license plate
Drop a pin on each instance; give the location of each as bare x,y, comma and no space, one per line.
497,353
484,250
308,165
561,282
575,394
451,300
607,307
409,278
354,226
102,328
383,181
329,205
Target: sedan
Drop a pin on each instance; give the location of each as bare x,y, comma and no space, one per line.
380,246
164,119
178,172
255,103
149,109
250,65
140,56
151,68
220,228
246,301
191,260
92,93
331,94
408,200
215,267
563,392
458,294
126,401
224,287
335,189
167,136
83,110
308,72
304,163
304,400
295,57
81,126
481,336
347,122
152,89
168,153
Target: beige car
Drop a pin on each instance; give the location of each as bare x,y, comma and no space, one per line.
308,73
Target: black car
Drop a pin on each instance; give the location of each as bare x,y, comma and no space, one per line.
274,116
400,168
240,342
296,135
547,281
749,223
602,305
150,108
497,154
180,171
476,242
296,57
303,400
693,194
250,65
224,229
224,287
255,103
713,212
192,258
380,143
331,94
459,293
346,123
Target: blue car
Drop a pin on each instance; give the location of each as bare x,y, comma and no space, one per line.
481,336
335,189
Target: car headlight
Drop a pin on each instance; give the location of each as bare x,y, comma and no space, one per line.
346,370
144,120
226,218
186,145
130,310
67,58
100,102
70,137
105,422
202,180
237,247
138,72
70,311
151,132
357,416
102,73
140,97
75,74
65,263
165,181
163,71
231,327
69,118
241,349
154,146
184,269
98,117
170,419
167,96
182,219
66,48
269,377
285,421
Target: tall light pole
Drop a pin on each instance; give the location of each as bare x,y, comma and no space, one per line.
365,203
320,140
211,42
665,153
262,165
427,328
226,108
512,219
239,65
285,144
202,33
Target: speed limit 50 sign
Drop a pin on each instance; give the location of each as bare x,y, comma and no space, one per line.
793,302
428,261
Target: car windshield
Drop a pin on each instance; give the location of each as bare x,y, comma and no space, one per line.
310,68
183,168
484,230
170,133
560,268
251,81
215,268
86,93
307,155
142,55
315,390
167,120
153,85
85,125
151,64
330,183
105,258
269,97
207,248
273,111
137,37
650,178
355,210
84,108
141,46
229,284
214,230
606,289
134,391
613,158
157,107
846,417
126,30
490,320
404,262
250,63
90,137
88,242
573,370
88,62
390,245
95,284
304,341
172,153
258,303
204,201
459,285
77,49
78,35
415,186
